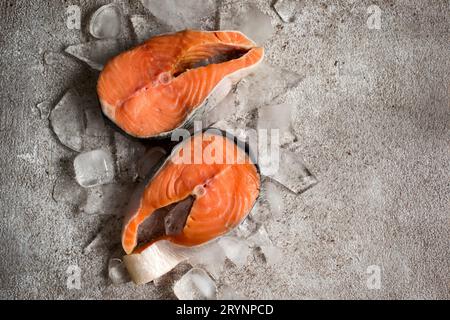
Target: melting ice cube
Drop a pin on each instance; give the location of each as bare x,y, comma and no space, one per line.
288,169
276,117
67,120
117,271
145,27
195,285
247,18
182,14
94,168
106,22
266,86
272,254
235,249
97,53
286,9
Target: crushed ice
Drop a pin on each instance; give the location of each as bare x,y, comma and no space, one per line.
94,168
97,52
145,27
236,250
286,9
128,154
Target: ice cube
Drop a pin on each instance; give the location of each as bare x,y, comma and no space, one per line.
288,169
209,256
195,285
235,249
94,168
182,14
106,22
117,271
175,219
274,198
246,228
286,9
128,153
145,27
260,238
261,211
95,243
52,58
148,162
272,254
226,109
109,199
267,85
44,109
276,117
68,191
67,120
97,53
247,18
225,292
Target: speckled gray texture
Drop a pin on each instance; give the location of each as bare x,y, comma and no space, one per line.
372,122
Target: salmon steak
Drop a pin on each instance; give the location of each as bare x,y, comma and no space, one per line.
204,189
170,80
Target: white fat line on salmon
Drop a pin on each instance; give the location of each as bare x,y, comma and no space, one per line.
193,310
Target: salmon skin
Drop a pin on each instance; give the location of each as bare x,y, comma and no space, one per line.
208,192
170,80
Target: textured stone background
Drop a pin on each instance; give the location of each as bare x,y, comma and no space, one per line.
373,122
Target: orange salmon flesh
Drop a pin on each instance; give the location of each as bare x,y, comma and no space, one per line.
223,193
153,88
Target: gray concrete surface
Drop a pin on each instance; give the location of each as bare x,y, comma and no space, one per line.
373,122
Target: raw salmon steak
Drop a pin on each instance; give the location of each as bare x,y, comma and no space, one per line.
204,189
169,80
